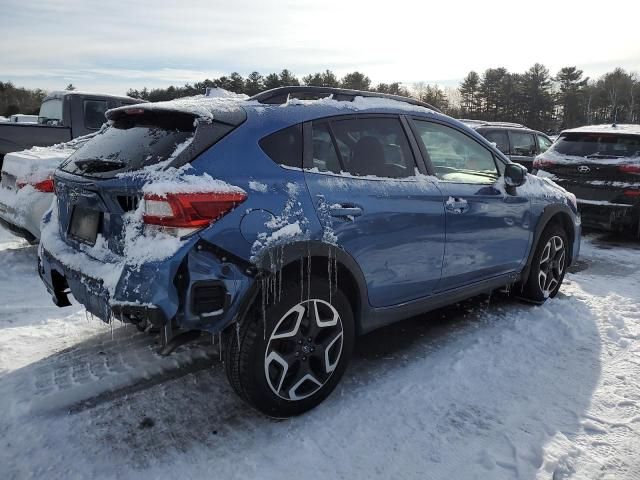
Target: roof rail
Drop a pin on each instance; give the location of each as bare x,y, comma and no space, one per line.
280,95
488,123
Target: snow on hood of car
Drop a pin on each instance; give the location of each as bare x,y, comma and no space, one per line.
38,163
624,128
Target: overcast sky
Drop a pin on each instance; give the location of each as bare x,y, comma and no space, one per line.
114,45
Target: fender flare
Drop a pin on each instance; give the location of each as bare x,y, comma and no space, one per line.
550,212
274,258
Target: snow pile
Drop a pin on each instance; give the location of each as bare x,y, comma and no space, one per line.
360,103
217,92
258,186
178,180
288,226
200,106
96,261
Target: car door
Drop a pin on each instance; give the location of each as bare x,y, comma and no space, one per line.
361,174
523,148
487,229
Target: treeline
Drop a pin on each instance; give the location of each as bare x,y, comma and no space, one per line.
255,83
535,98
546,102
19,100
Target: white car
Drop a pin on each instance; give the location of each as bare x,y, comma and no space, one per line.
26,186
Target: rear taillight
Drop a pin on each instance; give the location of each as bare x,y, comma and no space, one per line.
629,168
632,193
540,163
42,186
189,210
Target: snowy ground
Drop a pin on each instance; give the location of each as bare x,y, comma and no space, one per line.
485,390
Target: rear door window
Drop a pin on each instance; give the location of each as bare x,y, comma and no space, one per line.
455,157
325,156
365,147
522,144
284,146
500,138
94,111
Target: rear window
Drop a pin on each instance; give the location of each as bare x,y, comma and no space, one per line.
597,145
131,143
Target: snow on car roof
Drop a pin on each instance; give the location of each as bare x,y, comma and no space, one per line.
205,107
200,106
63,93
627,128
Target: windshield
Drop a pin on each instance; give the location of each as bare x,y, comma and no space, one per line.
51,112
598,145
131,143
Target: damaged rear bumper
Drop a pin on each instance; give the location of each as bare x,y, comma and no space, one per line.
198,288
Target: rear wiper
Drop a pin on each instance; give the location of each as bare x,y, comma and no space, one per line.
93,165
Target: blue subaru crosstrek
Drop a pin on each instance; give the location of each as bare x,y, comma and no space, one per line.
289,223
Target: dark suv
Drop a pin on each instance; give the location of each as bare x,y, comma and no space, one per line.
288,227
600,164
519,143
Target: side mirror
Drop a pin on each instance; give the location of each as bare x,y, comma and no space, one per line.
515,175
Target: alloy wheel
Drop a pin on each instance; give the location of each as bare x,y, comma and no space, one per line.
303,350
552,264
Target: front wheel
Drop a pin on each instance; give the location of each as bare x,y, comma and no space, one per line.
548,265
290,359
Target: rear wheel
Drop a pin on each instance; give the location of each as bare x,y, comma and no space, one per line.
294,361
548,265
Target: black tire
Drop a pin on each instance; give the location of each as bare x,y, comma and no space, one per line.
247,364
548,266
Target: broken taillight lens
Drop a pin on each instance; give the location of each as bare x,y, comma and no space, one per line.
189,210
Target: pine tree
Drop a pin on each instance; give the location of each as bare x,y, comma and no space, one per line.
355,81
253,84
537,93
470,95
571,96
272,81
288,79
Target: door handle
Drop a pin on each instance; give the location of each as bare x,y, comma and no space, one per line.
345,211
456,205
